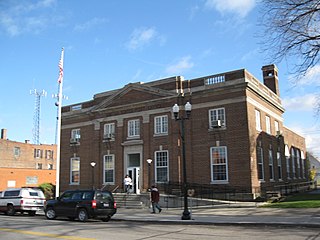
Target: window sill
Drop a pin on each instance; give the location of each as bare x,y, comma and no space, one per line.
220,182
160,134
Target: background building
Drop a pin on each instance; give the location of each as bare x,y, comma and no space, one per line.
235,139
25,164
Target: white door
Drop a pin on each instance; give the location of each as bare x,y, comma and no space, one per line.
134,173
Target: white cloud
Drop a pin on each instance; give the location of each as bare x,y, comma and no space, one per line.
300,103
89,24
141,37
22,17
312,77
180,66
239,7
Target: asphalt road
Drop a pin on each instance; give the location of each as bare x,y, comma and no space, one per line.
25,227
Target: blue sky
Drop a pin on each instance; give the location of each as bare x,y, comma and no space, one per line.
109,44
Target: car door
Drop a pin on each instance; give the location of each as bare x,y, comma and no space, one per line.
64,204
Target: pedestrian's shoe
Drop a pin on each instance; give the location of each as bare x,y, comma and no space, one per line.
153,212
160,210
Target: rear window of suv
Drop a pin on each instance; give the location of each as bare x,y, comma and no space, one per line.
104,196
12,193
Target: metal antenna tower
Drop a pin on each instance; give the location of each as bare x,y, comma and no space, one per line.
36,117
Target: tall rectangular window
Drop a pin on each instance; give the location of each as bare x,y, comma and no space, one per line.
75,170
260,163
217,116
109,131
162,166
276,127
258,120
16,151
268,125
161,124
219,164
109,169
298,164
271,171
49,154
134,128
293,158
288,167
38,153
279,165
75,135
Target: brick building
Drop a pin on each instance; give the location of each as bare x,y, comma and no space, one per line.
25,164
234,138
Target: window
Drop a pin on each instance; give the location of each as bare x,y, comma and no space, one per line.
279,165
134,128
276,126
217,116
16,151
109,131
37,153
162,166
298,164
49,154
268,125
258,120
260,162
271,172
219,164
39,166
50,166
302,165
108,169
75,135
293,157
161,125
75,171
287,155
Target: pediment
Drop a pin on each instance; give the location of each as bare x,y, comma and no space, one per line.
133,93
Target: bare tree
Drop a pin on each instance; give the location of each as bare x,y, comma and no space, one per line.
292,31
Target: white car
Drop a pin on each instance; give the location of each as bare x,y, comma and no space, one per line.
29,200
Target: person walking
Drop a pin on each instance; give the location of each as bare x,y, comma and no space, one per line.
127,183
155,197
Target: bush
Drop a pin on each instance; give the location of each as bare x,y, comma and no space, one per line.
48,189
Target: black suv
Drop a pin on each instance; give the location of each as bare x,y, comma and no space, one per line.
82,204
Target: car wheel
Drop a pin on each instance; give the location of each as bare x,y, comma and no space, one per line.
106,219
50,214
82,215
32,213
10,210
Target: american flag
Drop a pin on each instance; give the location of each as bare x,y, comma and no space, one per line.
61,67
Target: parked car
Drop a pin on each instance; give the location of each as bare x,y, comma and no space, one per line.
22,200
82,205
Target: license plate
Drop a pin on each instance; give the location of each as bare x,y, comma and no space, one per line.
106,204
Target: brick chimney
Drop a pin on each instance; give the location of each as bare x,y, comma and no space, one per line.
270,78
3,133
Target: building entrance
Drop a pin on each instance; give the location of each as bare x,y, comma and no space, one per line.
133,170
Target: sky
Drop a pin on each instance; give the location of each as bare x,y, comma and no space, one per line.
109,44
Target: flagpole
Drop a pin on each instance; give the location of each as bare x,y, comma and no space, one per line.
58,133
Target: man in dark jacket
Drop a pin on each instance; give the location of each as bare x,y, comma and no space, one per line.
155,197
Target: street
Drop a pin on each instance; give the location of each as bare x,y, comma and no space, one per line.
38,227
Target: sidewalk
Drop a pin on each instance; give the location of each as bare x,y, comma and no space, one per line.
232,215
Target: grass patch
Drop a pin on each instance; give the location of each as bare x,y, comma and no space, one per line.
302,200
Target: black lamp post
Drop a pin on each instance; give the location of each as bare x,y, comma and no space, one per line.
149,161
93,164
187,109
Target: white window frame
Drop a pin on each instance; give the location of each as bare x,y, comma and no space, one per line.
271,169
72,182
279,165
39,166
260,163
38,153
16,151
159,163
134,128
258,120
221,150
107,167
50,166
302,165
217,114
109,131
276,127
76,134
268,125
161,125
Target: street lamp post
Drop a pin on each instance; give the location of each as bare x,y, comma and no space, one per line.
93,164
187,109
149,161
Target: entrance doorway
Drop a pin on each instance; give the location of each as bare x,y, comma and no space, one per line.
133,170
